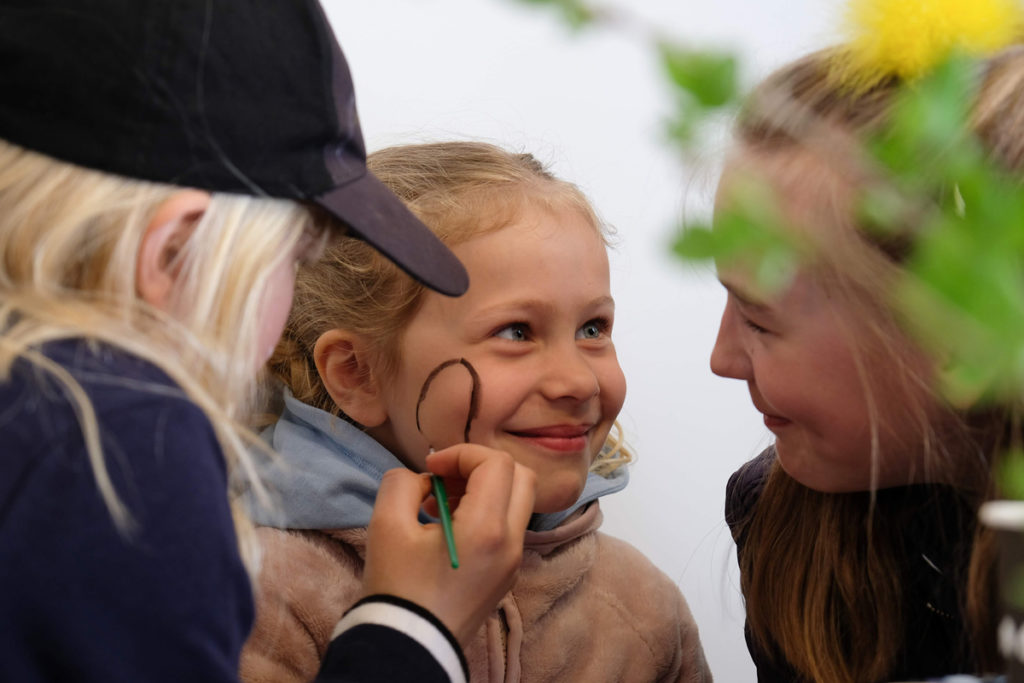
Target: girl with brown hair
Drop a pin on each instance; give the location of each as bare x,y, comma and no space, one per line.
860,553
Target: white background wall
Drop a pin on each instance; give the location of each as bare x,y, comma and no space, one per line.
591,104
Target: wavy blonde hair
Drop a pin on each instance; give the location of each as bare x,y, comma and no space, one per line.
820,572
460,190
69,242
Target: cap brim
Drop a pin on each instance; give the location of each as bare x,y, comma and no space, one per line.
380,218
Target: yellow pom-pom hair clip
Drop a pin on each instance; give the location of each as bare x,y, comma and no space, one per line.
907,38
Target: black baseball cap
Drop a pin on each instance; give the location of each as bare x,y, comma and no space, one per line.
240,96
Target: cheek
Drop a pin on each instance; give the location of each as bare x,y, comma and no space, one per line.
277,302
613,388
613,394
500,396
438,399
442,418
810,383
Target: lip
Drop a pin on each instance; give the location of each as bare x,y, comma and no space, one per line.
561,438
771,421
774,421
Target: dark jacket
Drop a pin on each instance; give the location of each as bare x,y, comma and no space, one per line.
167,600
935,527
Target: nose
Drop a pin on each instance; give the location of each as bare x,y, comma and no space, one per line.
569,374
729,358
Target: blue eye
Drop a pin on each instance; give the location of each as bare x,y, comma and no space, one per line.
515,332
592,330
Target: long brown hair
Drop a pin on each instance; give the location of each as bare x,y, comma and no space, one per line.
820,571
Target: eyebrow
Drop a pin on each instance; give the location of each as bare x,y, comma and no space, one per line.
542,305
745,299
602,301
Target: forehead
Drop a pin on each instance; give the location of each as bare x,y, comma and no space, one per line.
475,212
544,228
547,255
806,190
795,204
803,295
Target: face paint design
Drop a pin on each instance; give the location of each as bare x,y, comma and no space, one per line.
471,412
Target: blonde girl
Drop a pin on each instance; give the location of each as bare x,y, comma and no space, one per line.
378,370
860,555
150,228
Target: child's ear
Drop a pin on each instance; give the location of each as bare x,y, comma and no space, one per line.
344,362
157,266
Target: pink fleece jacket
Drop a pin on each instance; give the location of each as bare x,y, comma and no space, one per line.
585,607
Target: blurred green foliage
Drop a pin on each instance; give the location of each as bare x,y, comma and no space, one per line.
964,294
750,234
1012,476
576,13
703,83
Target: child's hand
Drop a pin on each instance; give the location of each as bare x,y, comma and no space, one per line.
410,560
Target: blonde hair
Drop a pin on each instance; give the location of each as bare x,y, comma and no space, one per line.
820,572
460,190
69,242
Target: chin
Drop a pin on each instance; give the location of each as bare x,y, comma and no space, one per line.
558,498
820,476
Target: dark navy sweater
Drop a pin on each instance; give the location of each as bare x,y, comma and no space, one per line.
168,600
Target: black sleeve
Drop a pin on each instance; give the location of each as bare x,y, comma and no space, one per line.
370,652
379,648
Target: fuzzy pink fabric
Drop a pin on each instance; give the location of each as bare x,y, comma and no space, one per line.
585,607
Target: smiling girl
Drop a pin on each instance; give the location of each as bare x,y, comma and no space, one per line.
379,371
859,552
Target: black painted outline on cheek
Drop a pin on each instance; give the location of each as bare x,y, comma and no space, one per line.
474,394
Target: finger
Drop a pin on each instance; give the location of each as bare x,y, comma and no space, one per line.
400,496
431,508
456,488
468,466
522,498
461,460
489,477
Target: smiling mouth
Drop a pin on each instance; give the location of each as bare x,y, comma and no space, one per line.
563,438
771,421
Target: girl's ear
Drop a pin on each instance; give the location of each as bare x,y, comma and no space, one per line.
344,362
157,267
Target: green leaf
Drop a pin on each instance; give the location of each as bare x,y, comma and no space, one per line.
695,242
684,124
576,13
1012,475
710,78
